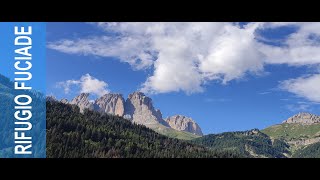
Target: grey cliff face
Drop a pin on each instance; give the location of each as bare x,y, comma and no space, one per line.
303,118
111,104
64,101
82,101
183,123
139,109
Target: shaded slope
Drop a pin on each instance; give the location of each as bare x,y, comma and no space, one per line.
72,134
298,136
251,143
311,151
7,110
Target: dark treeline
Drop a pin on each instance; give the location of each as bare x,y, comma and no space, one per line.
71,134
7,110
246,143
311,151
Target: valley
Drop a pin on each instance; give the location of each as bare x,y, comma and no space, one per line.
295,137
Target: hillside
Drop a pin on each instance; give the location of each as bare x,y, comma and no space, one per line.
7,109
311,151
298,131
139,109
292,132
251,143
72,134
172,133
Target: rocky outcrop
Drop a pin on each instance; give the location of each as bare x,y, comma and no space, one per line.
303,118
251,132
83,102
304,142
51,98
111,104
139,109
64,101
183,123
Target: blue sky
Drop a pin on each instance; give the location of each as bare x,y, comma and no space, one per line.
7,55
226,76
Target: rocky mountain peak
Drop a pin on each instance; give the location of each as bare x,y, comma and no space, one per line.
136,93
64,101
183,123
51,98
252,132
140,108
83,96
140,98
83,102
111,104
303,118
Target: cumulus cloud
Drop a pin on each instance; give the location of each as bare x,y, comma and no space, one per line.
186,56
87,84
231,55
300,48
307,87
130,50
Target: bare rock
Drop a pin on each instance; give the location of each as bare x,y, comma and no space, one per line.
303,118
83,102
304,141
51,98
111,104
140,109
64,101
183,123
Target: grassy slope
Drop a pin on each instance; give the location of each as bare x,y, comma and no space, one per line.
161,129
293,131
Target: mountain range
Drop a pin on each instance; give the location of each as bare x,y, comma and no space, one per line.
139,109
296,136
90,134
112,126
300,131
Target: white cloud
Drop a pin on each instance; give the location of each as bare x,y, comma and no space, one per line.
300,55
66,85
299,47
231,54
177,75
127,49
87,84
306,87
299,107
186,56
